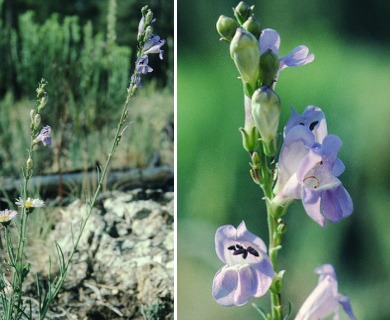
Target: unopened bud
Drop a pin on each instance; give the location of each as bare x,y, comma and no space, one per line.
148,33
43,101
37,120
281,228
244,50
250,139
148,17
227,27
141,28
144,10
266,108
29,164
32,115
253,26
40,92
277,282
255,158
269,66
242,11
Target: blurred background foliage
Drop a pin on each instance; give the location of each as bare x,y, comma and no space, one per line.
86,51
349,80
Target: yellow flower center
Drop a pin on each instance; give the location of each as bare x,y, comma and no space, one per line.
4,218
28,204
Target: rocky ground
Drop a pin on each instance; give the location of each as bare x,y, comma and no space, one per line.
124,268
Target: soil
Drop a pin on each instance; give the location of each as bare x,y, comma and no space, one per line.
124,266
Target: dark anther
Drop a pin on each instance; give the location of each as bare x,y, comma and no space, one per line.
253,251
312,125
301,124
239,249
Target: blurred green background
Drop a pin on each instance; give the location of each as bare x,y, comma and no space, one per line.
349,80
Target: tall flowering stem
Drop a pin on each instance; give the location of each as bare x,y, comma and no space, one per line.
147,44
21,270
305,167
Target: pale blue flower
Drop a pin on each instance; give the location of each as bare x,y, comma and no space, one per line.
44,136
325,300
248,271
270,40
153,45
141,65
308,170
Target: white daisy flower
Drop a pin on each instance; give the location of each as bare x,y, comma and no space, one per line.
30,203
6,216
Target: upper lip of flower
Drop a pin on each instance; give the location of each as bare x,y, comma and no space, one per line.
270,40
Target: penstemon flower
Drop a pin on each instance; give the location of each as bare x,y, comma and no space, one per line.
153,45
30,203
6,216
324,300
309,170
141,65
270,40
44,136
248,271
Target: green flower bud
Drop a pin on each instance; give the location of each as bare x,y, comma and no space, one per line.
40,92
269,66
29,163
148,17
43,101
244,50
242,11
148,33
266,109
144,10
250,139
281,228
32,115
226,27
277,282
253,26
37,120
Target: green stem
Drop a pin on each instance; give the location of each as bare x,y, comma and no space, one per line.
17,281
8,306
276,307
58,284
